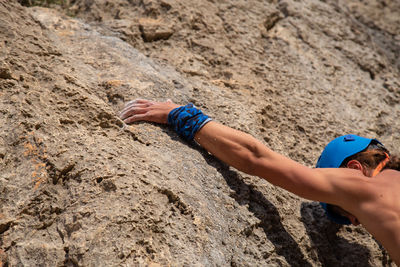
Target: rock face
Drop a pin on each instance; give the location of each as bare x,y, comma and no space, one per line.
80,188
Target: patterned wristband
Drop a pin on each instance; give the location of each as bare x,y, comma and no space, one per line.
187,121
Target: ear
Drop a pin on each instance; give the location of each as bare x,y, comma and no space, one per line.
353,219
355,164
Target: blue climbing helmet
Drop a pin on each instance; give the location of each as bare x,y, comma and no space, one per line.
334,154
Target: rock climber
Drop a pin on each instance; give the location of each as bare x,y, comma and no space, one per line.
356,180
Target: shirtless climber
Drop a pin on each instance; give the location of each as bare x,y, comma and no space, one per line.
356,180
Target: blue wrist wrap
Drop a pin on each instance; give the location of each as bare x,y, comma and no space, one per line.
187,120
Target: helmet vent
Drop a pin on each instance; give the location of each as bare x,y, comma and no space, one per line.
349,137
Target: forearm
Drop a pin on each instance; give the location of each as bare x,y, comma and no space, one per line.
233,147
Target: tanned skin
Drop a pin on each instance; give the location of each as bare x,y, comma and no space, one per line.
373,202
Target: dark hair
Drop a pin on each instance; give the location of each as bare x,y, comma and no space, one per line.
372,156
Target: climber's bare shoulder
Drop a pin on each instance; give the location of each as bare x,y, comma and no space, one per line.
380,214
374,201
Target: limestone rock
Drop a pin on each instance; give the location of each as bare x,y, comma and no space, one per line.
3,258
153,30
5,72
80,188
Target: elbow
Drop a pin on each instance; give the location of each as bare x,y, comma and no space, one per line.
257,166
251,168
258,158
245,161
250,155
252,162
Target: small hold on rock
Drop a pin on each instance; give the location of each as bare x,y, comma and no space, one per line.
154,29
5,72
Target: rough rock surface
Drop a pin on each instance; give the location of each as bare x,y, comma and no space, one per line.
78,188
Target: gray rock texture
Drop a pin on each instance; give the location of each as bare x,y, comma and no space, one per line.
80,188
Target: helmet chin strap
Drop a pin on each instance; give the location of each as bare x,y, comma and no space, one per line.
381,165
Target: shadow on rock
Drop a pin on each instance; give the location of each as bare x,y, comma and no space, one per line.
332,249
246,194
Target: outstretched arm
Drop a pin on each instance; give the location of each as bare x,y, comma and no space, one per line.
247,154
